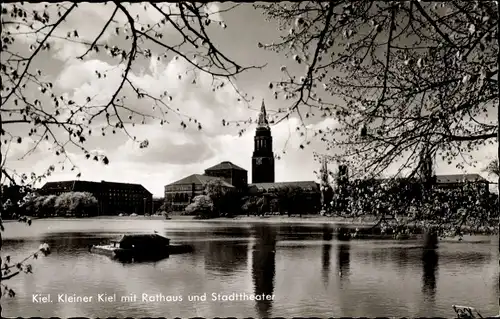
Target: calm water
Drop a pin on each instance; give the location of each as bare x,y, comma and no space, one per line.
307,271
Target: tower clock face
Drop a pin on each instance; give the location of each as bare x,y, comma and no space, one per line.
258,160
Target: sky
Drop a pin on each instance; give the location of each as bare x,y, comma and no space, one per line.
174,152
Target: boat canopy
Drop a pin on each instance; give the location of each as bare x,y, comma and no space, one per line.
143,240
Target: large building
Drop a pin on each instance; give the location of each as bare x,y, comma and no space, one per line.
263,157
180,193
113,198
230,173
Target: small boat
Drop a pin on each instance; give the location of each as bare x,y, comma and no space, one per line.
140,247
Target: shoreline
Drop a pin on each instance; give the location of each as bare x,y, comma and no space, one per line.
313,219
363,223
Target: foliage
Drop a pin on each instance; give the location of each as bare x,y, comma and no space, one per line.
70,203
327,196
251,205
296,200
76,204
406,82
227,201
217,192
493,168
406,204
34,112
9,269
399,77
201,206
291,199
166,207
13,195
32,31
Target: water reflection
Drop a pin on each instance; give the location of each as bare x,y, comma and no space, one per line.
343,261
301,232
400,255
366,277
430,266
69,243
222,257
263,266
325,256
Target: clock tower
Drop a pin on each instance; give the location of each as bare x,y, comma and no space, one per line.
263,157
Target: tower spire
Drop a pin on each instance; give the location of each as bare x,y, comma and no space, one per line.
263,116
324,172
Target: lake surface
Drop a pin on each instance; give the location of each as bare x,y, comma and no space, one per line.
308,272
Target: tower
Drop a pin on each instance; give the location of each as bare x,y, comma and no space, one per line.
324,172
326,189
263,157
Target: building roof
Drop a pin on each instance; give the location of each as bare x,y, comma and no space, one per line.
199,179
61,185
309,185
459,178
225,165
77,185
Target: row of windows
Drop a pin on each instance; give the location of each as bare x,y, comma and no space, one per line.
124,190
261,143
179,197
176,188
135,196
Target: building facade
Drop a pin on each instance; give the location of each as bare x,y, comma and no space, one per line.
113,198
263,156
230,173
179,194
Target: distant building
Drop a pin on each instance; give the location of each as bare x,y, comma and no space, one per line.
458,180
326,188
230,173
113,198
180,193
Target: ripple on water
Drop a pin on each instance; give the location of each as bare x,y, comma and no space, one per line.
307,274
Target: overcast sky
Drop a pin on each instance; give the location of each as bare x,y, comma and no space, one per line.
174,153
